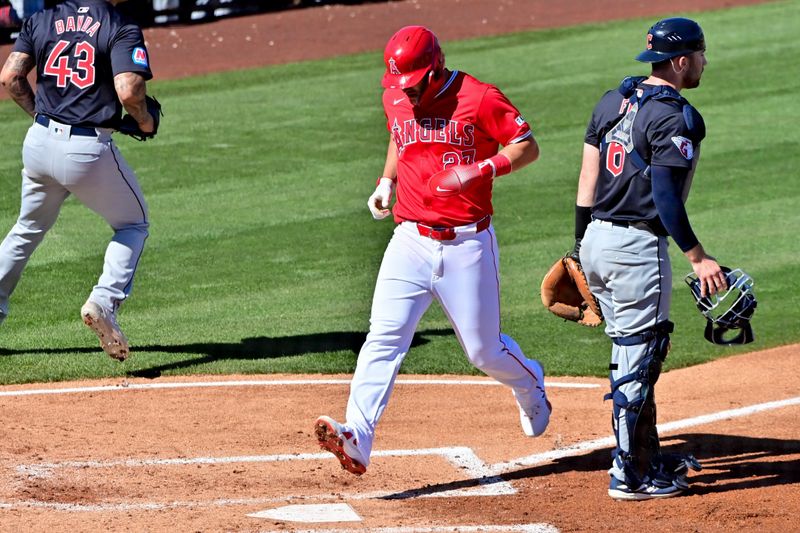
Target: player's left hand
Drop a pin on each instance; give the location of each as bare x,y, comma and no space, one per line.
148,130
566,293
454,180
458,178
378,203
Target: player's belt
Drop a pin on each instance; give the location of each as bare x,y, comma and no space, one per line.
448,233
44,120
638,224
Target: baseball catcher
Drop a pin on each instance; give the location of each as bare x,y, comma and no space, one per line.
565,292
640,153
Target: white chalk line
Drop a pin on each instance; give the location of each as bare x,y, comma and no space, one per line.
146,506
519,528
669,427
463,458
266,383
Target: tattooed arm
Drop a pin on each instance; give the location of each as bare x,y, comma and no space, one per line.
131,90
14,77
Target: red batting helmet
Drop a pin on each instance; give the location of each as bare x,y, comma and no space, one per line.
410,54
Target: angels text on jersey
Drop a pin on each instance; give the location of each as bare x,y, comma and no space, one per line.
432,130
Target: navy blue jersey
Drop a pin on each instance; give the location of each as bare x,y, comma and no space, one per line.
79,46
663,131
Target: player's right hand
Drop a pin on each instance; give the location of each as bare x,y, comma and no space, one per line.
709,272
378,203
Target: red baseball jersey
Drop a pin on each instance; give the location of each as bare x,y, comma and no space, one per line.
464,122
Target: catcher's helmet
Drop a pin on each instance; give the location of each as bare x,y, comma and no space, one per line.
670,38
410,54
728,310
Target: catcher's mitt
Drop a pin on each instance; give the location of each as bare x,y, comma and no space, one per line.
129,126
566,293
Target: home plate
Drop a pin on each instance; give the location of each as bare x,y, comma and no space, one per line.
333,512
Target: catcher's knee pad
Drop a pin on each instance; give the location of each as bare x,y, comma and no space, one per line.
639,412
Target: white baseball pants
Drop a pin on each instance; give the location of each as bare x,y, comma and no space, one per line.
463,276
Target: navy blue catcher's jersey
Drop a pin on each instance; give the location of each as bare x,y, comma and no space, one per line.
79,46
663,131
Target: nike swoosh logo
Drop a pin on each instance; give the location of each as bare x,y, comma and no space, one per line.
395,102
439,189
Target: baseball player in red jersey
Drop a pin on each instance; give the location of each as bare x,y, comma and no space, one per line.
445,130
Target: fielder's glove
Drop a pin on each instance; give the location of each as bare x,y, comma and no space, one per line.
565,293
129,126
378,203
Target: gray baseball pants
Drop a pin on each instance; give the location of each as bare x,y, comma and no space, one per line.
629,271
56,164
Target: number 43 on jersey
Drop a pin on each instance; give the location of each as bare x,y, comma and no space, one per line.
82,75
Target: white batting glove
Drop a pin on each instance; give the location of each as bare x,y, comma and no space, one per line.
378,203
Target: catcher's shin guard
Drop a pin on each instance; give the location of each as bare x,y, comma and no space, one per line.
633,394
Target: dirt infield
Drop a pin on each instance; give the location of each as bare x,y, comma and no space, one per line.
191,455
202,456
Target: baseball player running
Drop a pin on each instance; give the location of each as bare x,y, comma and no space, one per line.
445,129
88,59
641,148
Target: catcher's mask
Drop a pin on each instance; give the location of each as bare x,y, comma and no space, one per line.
410,54
728,310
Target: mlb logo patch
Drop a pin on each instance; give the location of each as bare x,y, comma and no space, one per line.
519,120
685,147
139,56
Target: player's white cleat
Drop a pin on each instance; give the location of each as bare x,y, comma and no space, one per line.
534,422
342,444
104,324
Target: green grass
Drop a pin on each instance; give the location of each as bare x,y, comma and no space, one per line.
263,256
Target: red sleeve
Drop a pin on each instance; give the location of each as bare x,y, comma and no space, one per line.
385,113
498,117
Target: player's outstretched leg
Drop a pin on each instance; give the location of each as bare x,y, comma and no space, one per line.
534,407
535,419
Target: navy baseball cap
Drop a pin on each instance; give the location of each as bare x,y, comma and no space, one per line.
670,38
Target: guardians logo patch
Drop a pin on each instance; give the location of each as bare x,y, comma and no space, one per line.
685,147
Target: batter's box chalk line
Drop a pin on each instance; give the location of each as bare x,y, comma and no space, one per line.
268,383
462,458
515,528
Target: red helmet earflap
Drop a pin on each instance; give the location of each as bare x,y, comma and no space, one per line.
438,62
